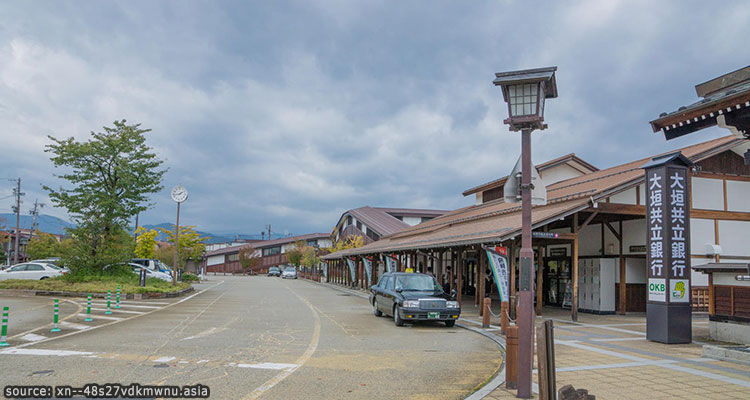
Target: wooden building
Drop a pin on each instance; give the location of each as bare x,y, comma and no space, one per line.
272,253
372,223
590,238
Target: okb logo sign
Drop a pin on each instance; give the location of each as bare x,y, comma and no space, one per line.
657,290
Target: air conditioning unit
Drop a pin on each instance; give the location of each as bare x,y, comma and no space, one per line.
713,249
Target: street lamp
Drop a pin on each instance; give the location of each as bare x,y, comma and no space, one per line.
525,92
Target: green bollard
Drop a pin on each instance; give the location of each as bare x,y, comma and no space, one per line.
55,327
4,329
88,309
109,299
117,305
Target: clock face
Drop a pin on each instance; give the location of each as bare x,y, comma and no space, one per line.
179,194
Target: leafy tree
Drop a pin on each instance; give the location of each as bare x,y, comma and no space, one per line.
349,242
110,178
249,258
43,245
190,244
310,257
145,243
78,253
294,254
165,254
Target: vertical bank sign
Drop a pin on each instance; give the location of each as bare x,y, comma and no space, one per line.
352,268
668,262
368,268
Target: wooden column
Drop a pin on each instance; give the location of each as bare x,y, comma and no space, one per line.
574,278
711,302
539,280
453,270
439,268
460,273
623,277
512,281
482,267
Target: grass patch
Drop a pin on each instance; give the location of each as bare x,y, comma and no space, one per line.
83,281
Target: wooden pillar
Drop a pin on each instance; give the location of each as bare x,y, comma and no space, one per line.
453,271
439,268
711,303
512,281
539,280
574,278
460,272
623,277
482,267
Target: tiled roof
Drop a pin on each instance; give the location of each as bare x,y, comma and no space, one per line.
496,221
382,219
261,244
568,158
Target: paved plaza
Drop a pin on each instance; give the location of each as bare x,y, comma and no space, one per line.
611,358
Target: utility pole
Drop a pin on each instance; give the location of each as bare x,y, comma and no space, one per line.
34,214
269,231
17,209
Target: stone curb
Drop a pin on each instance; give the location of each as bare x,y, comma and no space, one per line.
726,353
131,296
484,391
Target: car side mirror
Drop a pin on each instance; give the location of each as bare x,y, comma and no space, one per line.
453,294
399,290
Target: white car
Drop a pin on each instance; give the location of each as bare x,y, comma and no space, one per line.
31,270
150,273
289,272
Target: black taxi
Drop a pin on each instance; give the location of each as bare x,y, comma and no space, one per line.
413,297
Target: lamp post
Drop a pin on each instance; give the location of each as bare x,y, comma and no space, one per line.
525,92
179,195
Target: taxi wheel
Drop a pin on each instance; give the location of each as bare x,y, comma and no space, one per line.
450,323
375,309
397,317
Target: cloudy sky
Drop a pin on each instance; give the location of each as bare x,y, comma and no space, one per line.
289,113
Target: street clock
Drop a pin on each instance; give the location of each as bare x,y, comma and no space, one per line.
179,193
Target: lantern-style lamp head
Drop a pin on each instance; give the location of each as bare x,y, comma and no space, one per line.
525,91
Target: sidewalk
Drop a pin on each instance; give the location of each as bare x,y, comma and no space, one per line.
610,356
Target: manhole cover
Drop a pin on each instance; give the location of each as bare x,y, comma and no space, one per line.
161,366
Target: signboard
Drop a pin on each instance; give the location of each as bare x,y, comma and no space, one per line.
352,268
499,267
668,311
368,268
390,263
544,235
638,249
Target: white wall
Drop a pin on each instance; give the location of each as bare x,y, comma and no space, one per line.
589,241
635,270
698,278
411,221
708,194
558,173
626,197
728,279
734,237
701,233
738,196
479,198
642,190
214,260
324,243
635,235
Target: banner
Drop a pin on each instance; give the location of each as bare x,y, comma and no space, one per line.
390,263
499,266
368,269
352,268
325,269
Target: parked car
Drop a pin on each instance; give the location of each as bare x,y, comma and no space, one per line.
54,261
413,297
274,271
289,272
31,270
152,264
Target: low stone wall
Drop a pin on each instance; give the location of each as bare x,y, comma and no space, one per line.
732,332
20,292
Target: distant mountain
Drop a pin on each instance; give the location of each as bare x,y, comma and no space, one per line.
50,224
47,223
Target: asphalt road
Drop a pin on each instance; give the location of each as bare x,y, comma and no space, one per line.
248,337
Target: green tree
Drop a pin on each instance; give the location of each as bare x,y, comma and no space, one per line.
294,253
110,177
310,257
145,243
249,258
349,242
43,245
190,244
165,254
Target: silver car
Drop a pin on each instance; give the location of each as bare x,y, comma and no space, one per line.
289,272
31,270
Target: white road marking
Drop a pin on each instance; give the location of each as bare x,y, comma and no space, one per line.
627,339
266,365
202,334
164,359
66,324
30,337
97,316
121,305
45,352
114,310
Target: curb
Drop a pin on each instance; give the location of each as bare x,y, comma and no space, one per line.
131,296
497,379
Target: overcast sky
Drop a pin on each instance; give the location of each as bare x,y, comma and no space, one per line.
289,113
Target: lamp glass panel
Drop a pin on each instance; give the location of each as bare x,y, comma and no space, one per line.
523,99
